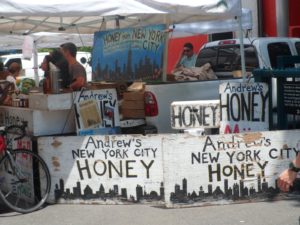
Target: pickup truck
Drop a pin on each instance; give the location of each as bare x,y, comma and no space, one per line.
224,56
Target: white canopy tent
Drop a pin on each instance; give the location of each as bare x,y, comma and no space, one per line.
77,16
45,40
214,26
21,17
54,39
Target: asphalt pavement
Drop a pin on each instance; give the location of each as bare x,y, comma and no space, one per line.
285,212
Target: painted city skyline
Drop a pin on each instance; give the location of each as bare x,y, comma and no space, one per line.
238,191
115,192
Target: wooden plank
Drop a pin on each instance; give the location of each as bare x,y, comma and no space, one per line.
133,95
225,169
133,113
138,104
96,109
195,114
104,169
184,170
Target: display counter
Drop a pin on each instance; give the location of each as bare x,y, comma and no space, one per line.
47,114
82,112
40,123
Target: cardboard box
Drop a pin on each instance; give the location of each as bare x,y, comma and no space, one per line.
133,113
121,87
136,86
101,85
134,95
138,104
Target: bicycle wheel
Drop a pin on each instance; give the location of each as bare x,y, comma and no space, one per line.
24,181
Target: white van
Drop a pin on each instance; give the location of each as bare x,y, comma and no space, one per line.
28,65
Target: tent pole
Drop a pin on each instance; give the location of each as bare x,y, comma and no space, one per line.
35,64
242,48
165,57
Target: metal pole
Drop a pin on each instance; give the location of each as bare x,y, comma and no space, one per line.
165,57
35,64
242,48
282,17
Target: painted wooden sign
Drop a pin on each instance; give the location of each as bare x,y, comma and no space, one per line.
195,114
104,169
129,54
224,169
244,107
96,110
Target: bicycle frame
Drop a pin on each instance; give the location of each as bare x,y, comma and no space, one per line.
8,149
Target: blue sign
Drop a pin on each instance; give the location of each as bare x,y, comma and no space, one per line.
129,54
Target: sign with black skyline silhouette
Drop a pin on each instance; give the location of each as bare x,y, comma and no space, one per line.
176,170
104,169
224,169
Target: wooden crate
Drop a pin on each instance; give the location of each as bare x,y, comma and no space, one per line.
138,104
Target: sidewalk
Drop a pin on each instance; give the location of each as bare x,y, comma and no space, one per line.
262,213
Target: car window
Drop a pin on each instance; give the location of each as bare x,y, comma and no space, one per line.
10,61
207,55
2,59
251,59
297,45
278,49
227,58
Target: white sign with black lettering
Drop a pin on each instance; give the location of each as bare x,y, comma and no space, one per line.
101,169
225,169
195,114
96,109
244,107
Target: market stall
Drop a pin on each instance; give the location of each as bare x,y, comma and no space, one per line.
106,169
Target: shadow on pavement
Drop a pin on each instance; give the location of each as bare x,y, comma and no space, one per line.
4,209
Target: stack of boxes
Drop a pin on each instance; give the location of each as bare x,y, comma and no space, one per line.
132,106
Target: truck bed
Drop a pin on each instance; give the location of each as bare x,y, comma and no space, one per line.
166,93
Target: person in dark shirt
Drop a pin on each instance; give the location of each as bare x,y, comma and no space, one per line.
57,59
76,70
61,63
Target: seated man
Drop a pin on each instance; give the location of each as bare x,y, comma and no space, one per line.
188,58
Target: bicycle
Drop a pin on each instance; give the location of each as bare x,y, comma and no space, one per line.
24,176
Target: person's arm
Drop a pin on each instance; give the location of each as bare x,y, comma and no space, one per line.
79,77
179,62
297,161
287,177
78,83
